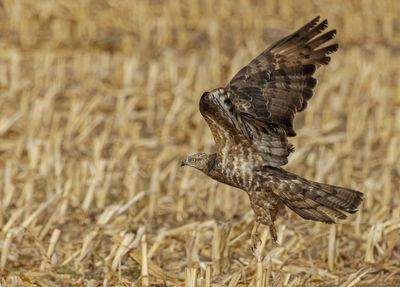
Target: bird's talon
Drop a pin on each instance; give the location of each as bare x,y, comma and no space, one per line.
256,241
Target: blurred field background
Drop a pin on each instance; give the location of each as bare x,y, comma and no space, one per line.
99,103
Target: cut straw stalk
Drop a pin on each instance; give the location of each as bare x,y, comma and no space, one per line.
144,263
235,279
332,247
6,249
260,275
153,193
87,246
50,251
129,242
190,277
207,281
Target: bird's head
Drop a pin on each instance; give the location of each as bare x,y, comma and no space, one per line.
200,161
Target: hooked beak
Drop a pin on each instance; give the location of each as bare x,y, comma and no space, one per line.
183,163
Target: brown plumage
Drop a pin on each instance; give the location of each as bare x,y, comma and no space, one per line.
250,120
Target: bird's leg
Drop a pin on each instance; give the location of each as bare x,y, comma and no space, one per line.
267,220
272,231
255,238
266,208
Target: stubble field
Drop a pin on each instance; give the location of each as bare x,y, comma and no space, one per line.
99,103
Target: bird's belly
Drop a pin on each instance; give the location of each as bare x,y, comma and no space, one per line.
240,172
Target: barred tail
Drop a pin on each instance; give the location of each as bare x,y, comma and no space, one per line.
324,202
312,200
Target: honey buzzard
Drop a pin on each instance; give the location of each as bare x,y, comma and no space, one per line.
250,120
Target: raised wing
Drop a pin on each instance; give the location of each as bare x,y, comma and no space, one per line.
279,82
260,102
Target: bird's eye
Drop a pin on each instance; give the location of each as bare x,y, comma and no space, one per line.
193,159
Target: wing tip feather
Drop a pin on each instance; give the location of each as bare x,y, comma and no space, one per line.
308,93
323,61
322,26
331,49
311,24
290,132
309,69
311,82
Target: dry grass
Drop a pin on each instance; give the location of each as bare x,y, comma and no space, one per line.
99,104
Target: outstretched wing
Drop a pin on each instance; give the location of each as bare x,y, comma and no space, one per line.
263,97
279,82
260,102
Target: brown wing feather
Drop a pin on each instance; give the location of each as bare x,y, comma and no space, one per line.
227,124
222,119
259,104
282,75
268,92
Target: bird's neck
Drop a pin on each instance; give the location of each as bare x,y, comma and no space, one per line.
212,163
215,170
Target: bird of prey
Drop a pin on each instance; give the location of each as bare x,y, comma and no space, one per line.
251,120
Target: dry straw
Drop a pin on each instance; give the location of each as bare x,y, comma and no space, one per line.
99,103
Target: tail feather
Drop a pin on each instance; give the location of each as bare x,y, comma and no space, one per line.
340,197
311,213
327,201
313,200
